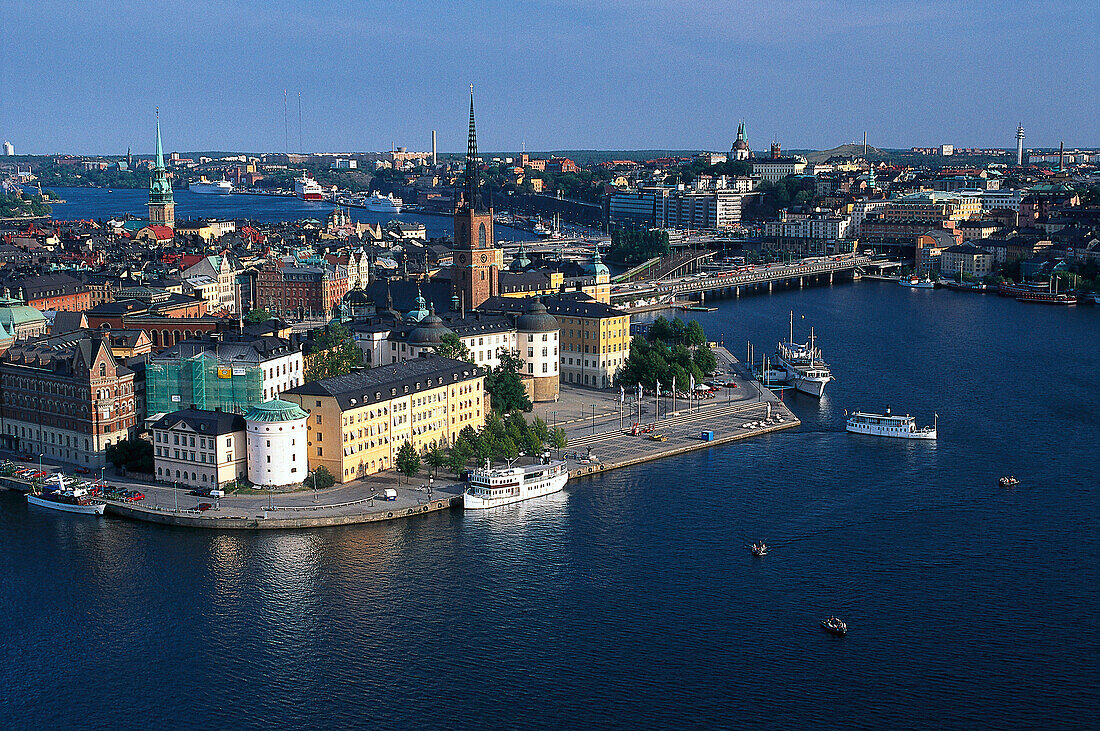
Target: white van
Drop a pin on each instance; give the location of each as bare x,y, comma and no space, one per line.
389,494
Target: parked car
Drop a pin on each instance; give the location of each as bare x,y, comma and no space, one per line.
82,470
199,493
134,496
26,457
203,507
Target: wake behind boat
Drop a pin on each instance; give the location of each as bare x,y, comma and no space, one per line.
491,487
75,500
889,425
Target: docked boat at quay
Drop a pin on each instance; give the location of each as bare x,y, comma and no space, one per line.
492,487
383,203
890,425
1037,295
806,371
917,283
74,500
210,187
308,189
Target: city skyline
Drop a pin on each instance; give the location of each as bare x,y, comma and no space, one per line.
628,75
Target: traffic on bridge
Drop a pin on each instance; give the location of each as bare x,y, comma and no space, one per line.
735,278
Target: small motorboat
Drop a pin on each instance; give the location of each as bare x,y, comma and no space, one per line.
759,548
835,626
1008,481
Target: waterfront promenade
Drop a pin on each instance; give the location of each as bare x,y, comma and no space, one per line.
596,423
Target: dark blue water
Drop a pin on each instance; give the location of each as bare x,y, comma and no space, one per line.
96,203
630,599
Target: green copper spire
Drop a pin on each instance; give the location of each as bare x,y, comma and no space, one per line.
160,190
160,148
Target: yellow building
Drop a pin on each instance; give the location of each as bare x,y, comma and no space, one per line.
595,340
358,422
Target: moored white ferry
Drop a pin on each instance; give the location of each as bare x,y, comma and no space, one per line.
216,187
889,425
308,189
491,487
383,203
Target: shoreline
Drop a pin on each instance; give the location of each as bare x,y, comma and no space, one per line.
678,432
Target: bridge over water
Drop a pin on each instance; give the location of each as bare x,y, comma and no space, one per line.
735,283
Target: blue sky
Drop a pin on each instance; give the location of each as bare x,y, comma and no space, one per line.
84,77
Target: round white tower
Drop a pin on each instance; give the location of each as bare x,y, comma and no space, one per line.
276,432
537,341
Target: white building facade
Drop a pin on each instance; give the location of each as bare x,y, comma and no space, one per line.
276,439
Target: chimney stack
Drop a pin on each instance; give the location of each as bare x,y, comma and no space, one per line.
434,162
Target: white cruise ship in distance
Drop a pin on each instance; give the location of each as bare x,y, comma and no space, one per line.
888,425
491,487
216,187
308,189
383,203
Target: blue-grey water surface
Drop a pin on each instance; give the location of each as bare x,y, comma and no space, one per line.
96,203
630,600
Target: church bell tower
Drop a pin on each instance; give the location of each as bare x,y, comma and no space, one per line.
477,260
162,205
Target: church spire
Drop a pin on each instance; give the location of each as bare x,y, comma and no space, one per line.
160,148
162,206
471,159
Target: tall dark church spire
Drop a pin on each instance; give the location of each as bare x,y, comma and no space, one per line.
471,189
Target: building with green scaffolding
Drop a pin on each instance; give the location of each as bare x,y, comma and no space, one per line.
230,375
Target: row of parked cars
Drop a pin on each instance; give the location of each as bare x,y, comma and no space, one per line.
49,480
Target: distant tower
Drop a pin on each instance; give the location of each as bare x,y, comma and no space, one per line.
434,160
162,206
129,160
777,151
1061,156
1020,146
9,149
740,149
477,260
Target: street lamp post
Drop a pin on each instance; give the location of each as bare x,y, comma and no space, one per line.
593,418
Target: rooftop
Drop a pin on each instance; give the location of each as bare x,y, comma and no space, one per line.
382,384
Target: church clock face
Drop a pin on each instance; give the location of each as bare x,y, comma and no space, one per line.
461,258
484,258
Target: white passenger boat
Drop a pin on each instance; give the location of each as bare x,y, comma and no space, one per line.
889,425
208,187
383,203
308,189
75,500
491,487
802,362
916,282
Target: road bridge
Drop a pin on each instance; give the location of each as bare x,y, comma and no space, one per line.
734,282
